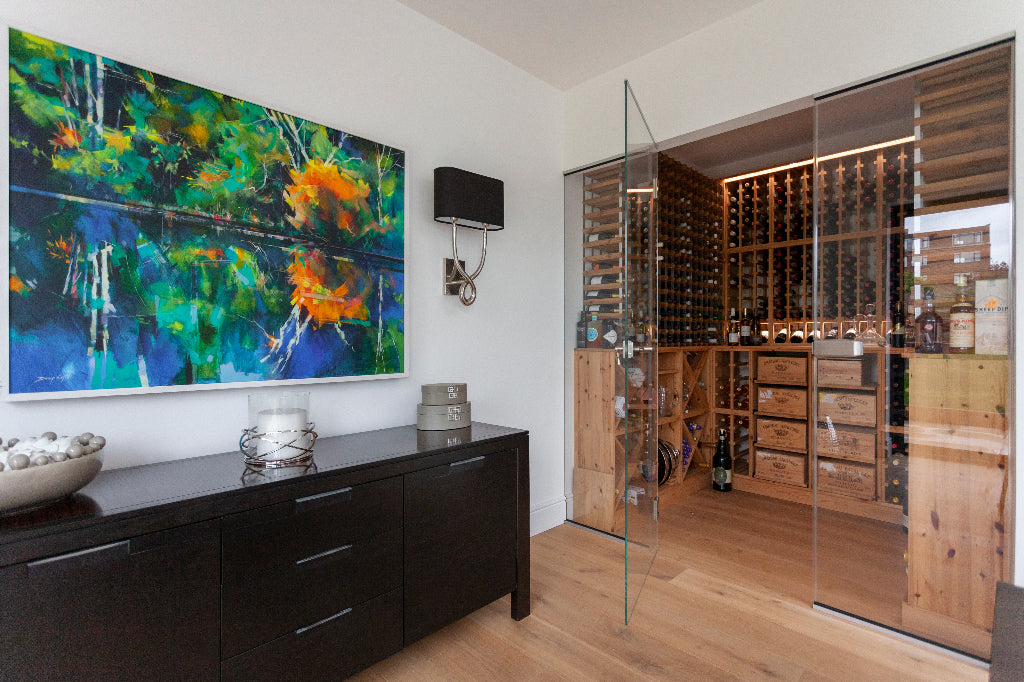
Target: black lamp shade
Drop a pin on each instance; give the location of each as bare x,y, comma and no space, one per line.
473,200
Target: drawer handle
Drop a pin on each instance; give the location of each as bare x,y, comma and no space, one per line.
321,555
475,461
328,619
322,499
123,544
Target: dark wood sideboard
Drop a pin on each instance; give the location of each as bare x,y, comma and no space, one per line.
196,569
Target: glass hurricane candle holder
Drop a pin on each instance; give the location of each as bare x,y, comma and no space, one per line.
281,432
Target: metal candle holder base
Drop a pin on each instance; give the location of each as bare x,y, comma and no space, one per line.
281,442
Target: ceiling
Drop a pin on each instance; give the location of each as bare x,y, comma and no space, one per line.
567,42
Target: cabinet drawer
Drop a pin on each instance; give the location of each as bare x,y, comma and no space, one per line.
852,479
267,604
855,408
782,402
288,564
782,369
334,647
845,373
781,467
846,442
779,433
307,525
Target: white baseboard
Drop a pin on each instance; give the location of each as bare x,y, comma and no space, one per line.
547,516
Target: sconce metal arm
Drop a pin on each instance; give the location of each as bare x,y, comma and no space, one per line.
467,290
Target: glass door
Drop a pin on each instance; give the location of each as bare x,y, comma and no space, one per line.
638,354
913,354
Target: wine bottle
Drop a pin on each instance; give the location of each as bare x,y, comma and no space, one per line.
721,464
797,336
929,326
782,336
745,327
733,339
755,330
898,333
961,319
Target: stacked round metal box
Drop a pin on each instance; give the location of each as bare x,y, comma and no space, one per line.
444,407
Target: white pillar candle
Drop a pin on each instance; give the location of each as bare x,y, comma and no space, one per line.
290,420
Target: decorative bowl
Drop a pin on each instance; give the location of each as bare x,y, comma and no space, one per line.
38,485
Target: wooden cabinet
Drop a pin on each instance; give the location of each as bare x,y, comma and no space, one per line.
199,569
771,433
958,513
780,430
145,607
460,539
599,418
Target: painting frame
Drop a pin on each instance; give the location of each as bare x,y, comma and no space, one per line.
327,286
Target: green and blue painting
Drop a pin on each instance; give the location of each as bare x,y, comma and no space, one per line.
165,235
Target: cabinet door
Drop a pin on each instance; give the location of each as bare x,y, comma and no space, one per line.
143,608
460,535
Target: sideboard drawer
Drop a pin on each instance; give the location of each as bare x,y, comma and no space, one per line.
261,606
334,647
309,524
300,561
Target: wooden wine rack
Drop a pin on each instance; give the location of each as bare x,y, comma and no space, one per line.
691,264
962,122
603,242
864,198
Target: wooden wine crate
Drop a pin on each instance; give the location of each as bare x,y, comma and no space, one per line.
783,434
779,369
854,408
850,442
846,373
841,477
780,467
782,402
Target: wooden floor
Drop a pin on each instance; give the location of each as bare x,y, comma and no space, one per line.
725,599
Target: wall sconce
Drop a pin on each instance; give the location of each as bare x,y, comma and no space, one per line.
468,200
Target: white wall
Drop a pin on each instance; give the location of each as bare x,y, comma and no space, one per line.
784,50
379,70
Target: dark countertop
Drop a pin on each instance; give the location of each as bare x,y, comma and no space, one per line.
211,486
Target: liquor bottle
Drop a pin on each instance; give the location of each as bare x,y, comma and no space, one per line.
721,464
581,331
593,332
733,339
961,319
929,327
745,327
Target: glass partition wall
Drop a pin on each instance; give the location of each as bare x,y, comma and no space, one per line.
639,352
914,270
612,243
829,291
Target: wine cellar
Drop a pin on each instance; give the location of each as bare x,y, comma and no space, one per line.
752,270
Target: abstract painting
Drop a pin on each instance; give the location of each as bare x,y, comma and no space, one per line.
164,236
